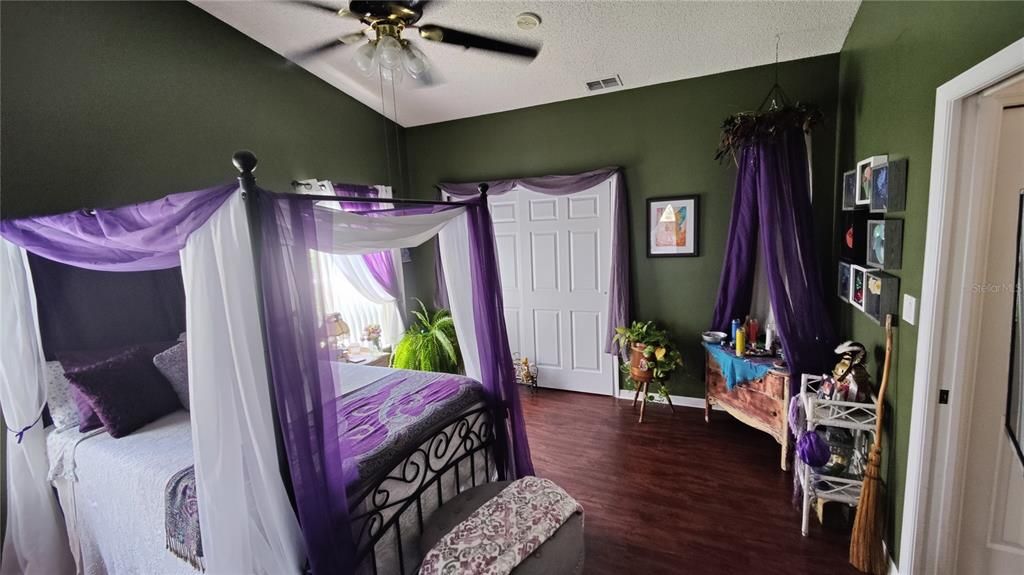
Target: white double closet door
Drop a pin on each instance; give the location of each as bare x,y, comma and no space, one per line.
555,258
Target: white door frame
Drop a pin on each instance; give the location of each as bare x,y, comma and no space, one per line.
959,204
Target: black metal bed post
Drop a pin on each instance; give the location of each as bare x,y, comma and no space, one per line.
245,161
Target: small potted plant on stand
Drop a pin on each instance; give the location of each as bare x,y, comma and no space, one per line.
652,358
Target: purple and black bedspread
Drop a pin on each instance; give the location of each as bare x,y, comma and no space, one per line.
381,422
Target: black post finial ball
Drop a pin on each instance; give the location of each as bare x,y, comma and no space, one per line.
245,161
483,188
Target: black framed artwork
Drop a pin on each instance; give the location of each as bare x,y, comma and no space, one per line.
673,226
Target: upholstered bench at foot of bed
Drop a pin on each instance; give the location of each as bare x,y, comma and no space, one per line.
561,554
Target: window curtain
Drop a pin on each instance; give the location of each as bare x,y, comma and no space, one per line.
247,522
351,272
772,213
303,372
561,185
381,264
35,542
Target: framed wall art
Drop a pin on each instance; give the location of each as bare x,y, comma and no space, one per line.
857,279
889,187
865,180
885,244
673,226
850,190
881,295
843,287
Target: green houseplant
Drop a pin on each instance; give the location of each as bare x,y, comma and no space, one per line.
653,356
429,344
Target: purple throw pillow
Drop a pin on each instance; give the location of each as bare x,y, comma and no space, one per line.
76,360
125,391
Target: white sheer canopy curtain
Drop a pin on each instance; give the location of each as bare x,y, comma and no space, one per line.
248,525
36,541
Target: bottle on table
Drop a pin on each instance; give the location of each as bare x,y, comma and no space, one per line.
741,342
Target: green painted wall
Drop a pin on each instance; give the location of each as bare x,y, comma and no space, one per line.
664,136
896,55
111,103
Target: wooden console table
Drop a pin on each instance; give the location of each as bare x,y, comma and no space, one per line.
761,403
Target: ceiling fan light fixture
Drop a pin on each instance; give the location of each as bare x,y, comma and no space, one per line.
366,58
389,52
414,61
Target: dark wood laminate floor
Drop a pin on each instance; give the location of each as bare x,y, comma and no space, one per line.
674,495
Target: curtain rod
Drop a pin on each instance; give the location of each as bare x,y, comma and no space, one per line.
245,161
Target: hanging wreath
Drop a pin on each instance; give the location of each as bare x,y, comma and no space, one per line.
745,128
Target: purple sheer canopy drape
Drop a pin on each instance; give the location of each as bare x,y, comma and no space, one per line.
562,185
772,212
381,264
141,237
303,377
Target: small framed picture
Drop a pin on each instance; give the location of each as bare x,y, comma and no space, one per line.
865,178
843,288
673,226
889,187
850,190
885,244
857,280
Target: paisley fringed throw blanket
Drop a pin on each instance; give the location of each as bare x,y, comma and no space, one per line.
381,420
182,518
504,531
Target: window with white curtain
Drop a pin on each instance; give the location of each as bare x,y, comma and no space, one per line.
346,287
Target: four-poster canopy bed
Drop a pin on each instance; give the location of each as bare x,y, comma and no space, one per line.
287,460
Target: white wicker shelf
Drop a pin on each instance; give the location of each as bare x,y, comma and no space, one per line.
857,417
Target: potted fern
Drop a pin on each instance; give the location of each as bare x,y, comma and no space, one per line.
429,344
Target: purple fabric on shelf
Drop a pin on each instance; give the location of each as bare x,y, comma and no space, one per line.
126,391
772,212
141,237
321,465
812,449
562,185
381,264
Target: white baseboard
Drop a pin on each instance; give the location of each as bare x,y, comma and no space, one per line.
677,400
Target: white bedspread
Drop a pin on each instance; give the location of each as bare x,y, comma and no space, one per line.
116,507
112,490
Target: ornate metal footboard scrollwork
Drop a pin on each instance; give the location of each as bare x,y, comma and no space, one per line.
389,513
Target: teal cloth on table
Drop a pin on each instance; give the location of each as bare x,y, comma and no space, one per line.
738,369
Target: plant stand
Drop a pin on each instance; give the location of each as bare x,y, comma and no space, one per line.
642,388
857,417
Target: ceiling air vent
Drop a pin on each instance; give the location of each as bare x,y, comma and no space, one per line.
603,84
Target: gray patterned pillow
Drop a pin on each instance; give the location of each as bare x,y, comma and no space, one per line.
58,397
173,364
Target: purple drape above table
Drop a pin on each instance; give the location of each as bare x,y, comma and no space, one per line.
772,212
381,264
563,185
320,458
140,237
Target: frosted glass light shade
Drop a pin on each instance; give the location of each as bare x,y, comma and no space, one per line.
366,58
389,53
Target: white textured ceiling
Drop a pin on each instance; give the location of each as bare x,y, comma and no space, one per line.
643,41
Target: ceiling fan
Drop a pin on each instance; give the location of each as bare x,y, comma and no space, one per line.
387,51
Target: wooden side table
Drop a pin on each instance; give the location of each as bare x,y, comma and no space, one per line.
762,403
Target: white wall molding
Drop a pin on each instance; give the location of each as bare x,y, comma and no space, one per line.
948,320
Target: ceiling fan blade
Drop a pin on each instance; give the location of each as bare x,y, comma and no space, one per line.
354,37
469,40
321,6
310,53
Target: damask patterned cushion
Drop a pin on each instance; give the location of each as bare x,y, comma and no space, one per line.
173,364
126,391
62,406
